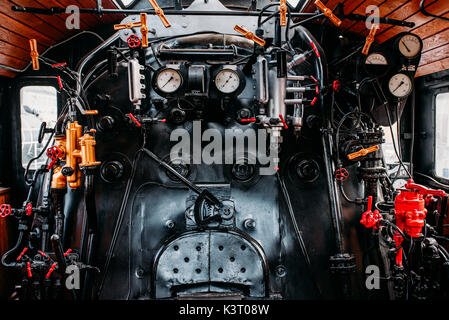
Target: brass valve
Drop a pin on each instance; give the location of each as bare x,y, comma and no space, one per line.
78,151
249,35
362,152
328,13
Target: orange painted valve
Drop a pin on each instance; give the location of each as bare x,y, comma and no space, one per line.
362,152
34,54
249,35
160,13
328,13
283,12
370,39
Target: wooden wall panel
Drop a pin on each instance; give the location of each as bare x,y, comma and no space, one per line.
17,28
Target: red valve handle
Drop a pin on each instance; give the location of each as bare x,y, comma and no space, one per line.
341,174
22,253
53,153
370,219
423,190
5,210
133,41
28,209
283,121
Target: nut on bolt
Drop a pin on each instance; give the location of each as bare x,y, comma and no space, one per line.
170,224
249,224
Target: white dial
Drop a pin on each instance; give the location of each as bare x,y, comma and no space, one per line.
227,81
409,45
376,59
400,85
168,80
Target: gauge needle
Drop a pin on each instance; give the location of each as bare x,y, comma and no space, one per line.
402,82
405,46
230,77
167,82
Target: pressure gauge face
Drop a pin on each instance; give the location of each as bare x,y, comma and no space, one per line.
168,80
227,81
376,59
410,45
376,64
400,85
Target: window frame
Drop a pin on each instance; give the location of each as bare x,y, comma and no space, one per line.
123,6
437,92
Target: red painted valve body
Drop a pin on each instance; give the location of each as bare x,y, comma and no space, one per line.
410,212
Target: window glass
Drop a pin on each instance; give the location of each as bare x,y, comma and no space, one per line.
388,147
37,104
442,135
126,3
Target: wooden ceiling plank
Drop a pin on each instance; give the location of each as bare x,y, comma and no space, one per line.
33,22
12,62
7,73
432,27
435,54
17,40
18,27
384,10
432,67
89,19
436,40
438,8
63,16
55,21
361,9
11,49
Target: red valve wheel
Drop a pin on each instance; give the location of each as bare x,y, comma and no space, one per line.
28,209
133,41
53,153
5,210
341,174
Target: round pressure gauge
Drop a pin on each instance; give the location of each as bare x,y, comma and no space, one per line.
376,64
168,80
410,45
227,81
400,85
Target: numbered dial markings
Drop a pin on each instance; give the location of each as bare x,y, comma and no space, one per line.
409,46
168,81
400,85
376,59
227,81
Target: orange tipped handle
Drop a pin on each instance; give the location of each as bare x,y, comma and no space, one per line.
34,54
328,13
160,13
370,39
128,25
249,35
144,29
362,152
283,12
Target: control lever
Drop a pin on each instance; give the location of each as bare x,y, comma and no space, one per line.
203,192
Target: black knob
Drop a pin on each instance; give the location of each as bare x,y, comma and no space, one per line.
67,171
106,123
112,171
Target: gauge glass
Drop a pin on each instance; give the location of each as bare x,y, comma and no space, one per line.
168,80
400,85
376,59
409,46
227,81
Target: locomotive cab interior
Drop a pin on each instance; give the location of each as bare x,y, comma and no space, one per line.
224,149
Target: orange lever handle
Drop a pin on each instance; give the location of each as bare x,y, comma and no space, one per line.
328,13
144,29
283,12
249,35
34,54
370,39
362,152
160,13
128,25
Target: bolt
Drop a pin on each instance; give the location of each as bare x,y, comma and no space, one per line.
170,224
249,224
281,271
